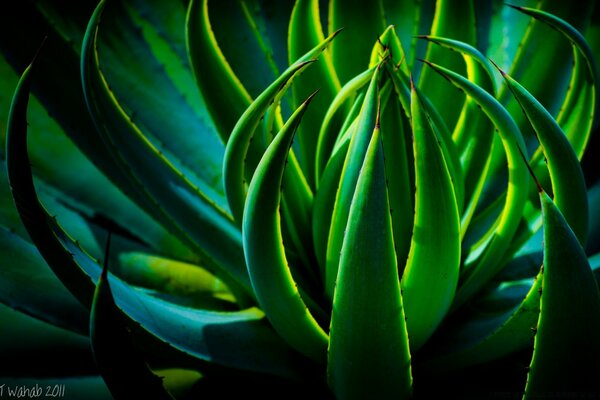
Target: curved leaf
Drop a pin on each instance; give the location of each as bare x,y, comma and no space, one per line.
486,264
244,28
432,265
243,133
23,190
544,43
236,339
444,25
473,132
132,60
239,142
212,72
568,184
369,351
74,183
271,278
171,197
305,32
56,89
566,358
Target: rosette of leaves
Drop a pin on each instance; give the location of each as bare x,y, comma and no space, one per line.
305,198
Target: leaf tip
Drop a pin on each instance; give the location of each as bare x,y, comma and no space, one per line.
309,98
425,61
337,32
39,50
537,183
504,75
514,6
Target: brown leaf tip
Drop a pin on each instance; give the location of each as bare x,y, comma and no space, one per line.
504,74
537,183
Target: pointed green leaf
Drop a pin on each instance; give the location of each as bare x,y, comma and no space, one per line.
329,183
273,283
565,172
444,25
473,131
432,265
242,135
566,356
578,110
545,44
401,87
238,147
328,133
352,164
213,74
324,204
28,205
369,353
243,33
304,33
389,44
396,136
486,263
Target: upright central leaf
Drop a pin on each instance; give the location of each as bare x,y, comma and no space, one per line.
431,273
352,164
368,351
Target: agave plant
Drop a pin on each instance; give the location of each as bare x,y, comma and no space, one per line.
349,212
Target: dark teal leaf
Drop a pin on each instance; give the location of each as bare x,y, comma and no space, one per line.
120,364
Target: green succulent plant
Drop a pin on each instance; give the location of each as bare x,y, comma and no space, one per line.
349,212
